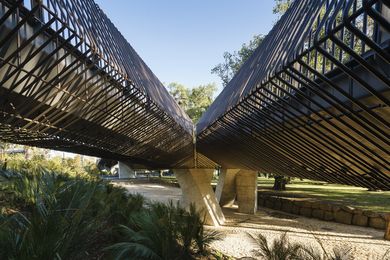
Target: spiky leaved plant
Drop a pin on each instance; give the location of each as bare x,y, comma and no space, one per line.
167,230
280,249
57,217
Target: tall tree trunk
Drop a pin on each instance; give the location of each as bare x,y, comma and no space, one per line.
280,183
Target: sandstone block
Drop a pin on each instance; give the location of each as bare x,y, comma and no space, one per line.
344,217
287,206
295,209
269,204
360,220
377,222
328,215
318,213
305,212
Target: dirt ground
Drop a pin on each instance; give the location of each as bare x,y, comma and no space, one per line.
363,243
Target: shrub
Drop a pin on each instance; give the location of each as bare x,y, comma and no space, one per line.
54,216
45,215
164,232
283,249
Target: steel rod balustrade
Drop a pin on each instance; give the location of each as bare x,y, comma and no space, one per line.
70,81
313,100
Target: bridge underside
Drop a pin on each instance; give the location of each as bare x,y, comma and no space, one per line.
313,100
69,81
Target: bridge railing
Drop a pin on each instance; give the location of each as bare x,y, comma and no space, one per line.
92,31
72,82
311,101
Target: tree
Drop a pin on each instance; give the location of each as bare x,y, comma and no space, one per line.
194,101
233,61
281,7
200,99
180,93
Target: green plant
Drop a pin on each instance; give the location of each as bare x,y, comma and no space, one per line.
58,224
55,216
280,249
283,249
169,231
337,253
46,215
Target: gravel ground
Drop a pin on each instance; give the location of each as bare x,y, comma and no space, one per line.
364,243
152,191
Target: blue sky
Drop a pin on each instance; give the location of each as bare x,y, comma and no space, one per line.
181,40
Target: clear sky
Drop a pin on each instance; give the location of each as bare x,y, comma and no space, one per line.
182,40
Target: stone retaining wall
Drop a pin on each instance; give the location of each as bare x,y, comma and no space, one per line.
312,208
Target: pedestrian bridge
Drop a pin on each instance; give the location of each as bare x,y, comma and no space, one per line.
311,102
70,81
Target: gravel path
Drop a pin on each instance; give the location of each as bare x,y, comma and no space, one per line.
153,191
364,243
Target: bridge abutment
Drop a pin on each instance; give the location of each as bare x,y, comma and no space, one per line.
226,187
246,188
125,171
196,188
240,186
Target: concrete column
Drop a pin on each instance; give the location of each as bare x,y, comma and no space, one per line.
125,172
387,230
226,187
196,188
246,187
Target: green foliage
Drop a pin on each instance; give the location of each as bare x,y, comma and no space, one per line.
164,232
38,164
233,61
281,6
180,93
283,249
45,215
53,216
56,218
194,101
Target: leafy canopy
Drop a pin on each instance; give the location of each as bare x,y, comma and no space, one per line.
281,6
194,101
232,62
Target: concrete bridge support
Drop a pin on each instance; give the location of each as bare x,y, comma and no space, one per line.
226,187
125,172
246,187
240,186
196,188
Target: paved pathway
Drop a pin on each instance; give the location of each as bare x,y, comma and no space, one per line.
365,243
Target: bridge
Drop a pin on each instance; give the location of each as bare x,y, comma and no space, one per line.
70,81
311,102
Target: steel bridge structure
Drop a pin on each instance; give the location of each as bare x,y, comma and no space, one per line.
311,102
70,81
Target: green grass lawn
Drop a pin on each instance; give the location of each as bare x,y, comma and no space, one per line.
347,195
